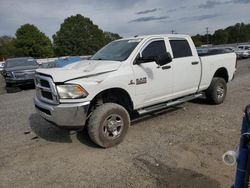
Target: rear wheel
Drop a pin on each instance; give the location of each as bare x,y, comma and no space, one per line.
108,124
216,93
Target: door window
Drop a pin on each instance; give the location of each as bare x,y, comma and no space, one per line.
155,48
180,48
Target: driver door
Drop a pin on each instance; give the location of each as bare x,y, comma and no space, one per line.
153,83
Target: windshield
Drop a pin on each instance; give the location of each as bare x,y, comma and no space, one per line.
20,62
116,51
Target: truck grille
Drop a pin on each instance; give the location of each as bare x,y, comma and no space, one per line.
27,74
46,89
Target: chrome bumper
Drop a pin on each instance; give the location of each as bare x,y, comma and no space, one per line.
72,114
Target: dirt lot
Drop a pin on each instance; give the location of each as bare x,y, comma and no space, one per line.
181,147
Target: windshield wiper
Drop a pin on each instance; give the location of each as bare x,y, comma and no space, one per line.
99,59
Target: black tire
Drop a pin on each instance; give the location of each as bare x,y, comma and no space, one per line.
108,124
8,85
217,91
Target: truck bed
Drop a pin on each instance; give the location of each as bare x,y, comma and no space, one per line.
213,62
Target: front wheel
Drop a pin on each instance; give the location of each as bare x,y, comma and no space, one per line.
108,124
216,93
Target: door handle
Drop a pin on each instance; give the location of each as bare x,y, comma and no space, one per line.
195,63
166,67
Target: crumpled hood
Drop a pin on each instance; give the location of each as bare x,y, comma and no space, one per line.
81,69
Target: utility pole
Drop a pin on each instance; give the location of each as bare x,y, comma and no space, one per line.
207,31
172,31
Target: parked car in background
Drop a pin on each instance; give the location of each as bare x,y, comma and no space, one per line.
1,67
202,51
212,51
48,65
19,71
239,52
245,48
61,62
221,50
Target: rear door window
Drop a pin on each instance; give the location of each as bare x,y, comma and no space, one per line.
180,48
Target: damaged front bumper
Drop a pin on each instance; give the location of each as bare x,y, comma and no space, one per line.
65,115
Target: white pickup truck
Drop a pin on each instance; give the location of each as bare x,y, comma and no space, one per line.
138,75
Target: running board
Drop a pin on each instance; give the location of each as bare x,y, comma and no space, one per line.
168,104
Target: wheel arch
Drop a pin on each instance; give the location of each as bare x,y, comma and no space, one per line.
115,95
222,73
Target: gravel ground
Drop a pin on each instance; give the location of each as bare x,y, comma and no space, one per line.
179,147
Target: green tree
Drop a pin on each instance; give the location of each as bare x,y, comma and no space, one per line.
220,36
7,48
32,42
78,35
239,32
111,36
197,39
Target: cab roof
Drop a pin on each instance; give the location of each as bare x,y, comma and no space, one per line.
155,36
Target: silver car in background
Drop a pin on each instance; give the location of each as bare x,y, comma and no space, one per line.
241,53
245,47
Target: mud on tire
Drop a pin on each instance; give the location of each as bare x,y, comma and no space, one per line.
108,124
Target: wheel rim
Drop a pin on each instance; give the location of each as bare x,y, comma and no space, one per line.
113,126
220,91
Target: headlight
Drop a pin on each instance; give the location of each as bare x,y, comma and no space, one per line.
9,74
71,91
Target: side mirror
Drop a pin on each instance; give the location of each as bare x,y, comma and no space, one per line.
163,59
147,59
160,60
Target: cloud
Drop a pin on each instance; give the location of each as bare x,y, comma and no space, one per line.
147,11
149,18
112,3
241,1
172,10
199,18
166,21
210,4
114,15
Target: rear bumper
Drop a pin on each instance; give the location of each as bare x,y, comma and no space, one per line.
64,115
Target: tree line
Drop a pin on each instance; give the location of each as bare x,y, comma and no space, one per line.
237,33
77,35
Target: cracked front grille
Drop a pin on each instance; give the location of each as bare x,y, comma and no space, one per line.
46,89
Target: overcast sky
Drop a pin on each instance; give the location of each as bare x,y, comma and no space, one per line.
126,17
